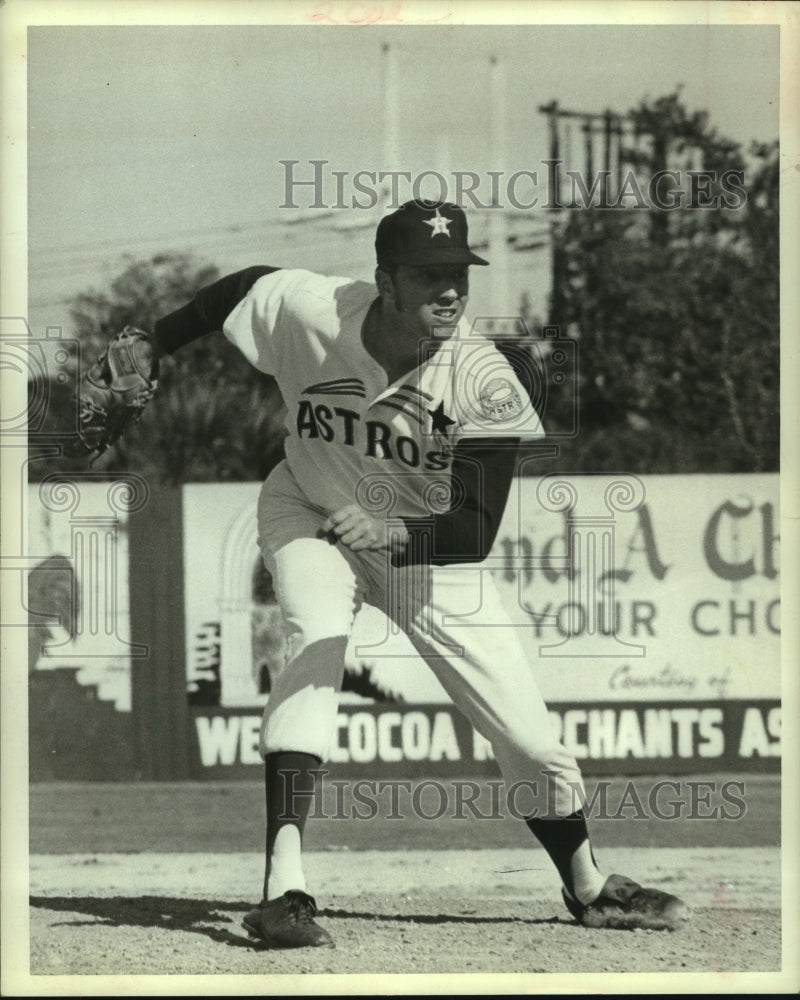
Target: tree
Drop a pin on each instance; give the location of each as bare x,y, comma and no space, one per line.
213,417
677,319
144,291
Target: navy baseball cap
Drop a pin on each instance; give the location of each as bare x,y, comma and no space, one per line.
425,232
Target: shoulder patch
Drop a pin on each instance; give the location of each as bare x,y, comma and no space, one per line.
500,400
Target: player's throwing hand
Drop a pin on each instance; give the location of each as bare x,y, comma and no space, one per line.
358,530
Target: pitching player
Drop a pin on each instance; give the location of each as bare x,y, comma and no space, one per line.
392,404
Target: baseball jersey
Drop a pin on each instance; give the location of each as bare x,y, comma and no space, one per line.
352,436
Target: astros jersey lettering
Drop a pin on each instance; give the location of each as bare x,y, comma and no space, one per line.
347,429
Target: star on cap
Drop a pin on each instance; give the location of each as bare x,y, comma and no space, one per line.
438,225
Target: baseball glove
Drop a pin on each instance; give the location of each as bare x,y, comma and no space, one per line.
114,392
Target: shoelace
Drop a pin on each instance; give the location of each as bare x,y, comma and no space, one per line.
301,905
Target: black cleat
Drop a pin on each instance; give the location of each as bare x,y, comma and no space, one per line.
288,922
625,905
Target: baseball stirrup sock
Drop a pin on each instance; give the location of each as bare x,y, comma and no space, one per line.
290,783
566,840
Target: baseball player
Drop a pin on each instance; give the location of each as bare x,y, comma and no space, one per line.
391,404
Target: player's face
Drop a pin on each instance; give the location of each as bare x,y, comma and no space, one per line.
431,296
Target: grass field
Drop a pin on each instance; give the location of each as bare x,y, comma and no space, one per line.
71,818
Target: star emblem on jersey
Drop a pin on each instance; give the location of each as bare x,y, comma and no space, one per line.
438,225
439,420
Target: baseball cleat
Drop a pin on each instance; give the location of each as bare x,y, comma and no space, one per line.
625,905
288,922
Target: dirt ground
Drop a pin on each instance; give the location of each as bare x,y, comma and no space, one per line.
442,911
394,912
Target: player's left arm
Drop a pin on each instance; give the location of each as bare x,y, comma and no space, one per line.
481,476
495,414
482,473
483,467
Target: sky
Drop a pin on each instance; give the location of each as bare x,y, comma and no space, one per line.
143,139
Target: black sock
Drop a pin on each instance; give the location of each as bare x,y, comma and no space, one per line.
561,837
289,781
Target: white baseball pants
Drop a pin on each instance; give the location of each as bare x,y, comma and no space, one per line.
320,586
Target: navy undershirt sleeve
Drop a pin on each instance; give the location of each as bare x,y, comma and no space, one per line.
482,472
208,310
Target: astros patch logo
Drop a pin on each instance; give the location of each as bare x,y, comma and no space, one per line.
500,400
